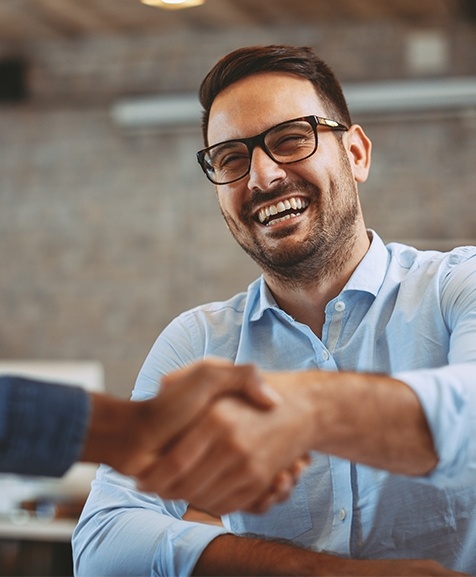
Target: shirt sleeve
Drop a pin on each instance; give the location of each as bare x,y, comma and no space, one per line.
42,426
125,532
448,393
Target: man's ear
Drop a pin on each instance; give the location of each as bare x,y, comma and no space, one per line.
359,150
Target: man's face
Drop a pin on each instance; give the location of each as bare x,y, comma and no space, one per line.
313,203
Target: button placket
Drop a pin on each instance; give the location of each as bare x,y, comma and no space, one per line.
337,314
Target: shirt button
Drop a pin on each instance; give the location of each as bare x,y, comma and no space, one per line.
342,514
325,355
339,306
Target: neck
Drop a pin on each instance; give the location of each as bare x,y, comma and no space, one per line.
306,300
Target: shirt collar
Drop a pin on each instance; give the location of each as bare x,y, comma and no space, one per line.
370,272
367,277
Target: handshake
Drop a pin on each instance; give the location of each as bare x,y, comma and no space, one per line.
217,435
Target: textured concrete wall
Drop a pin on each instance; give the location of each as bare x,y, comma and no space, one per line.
107,235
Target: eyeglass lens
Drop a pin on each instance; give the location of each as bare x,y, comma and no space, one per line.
285,143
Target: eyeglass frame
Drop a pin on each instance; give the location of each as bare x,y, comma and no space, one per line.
253,141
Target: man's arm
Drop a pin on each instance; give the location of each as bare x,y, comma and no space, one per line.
232,555
371,419
366,418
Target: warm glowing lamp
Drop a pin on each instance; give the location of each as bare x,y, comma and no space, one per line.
173,4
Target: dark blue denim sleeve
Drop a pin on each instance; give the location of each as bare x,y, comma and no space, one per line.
42,426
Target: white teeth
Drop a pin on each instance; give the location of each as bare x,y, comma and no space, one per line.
288,204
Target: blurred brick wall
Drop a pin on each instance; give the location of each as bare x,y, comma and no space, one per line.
106,236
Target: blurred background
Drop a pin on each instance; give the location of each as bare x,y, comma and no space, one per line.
109,229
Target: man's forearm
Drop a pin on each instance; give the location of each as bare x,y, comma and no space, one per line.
233,556
367,418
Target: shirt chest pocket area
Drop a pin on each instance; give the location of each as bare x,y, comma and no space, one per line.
286,520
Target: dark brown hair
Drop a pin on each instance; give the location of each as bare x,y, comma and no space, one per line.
301,61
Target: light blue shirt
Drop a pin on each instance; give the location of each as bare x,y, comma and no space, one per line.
407,313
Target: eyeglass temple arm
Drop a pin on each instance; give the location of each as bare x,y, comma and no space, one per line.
331,123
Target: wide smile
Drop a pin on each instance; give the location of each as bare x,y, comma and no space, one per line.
272,214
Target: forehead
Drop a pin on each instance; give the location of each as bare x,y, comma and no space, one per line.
253,104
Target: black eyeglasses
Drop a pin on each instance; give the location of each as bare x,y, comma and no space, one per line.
285,143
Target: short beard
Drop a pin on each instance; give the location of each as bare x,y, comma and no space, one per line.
324,253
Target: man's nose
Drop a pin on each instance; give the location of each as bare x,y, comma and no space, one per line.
264,171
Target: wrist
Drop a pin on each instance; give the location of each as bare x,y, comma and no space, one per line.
302,398
112,426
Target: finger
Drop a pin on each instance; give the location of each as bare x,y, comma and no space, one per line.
300,465
223,478
217,470
175,463
236,487
258,390
247,499
282,486
190,464
227,492
212,378
239,379
230,491
229,486
186,394
280,491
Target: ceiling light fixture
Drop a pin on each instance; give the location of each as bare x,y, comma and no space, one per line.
173,4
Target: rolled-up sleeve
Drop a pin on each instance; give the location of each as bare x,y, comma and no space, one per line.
448,398
448,393
124,532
